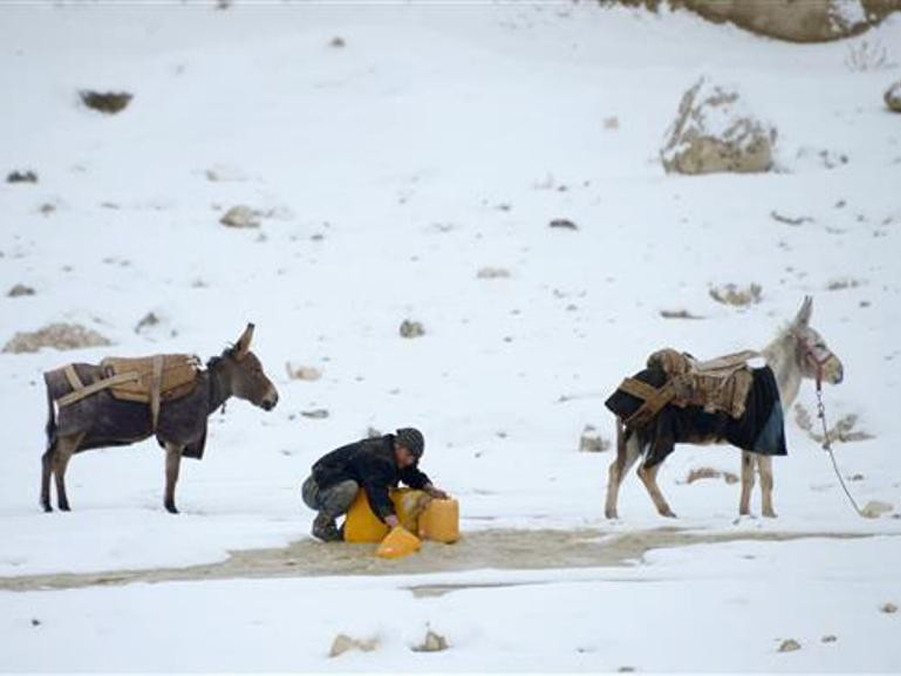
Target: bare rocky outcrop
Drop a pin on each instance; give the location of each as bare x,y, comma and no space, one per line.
59,336
714,132
22,177
789,645
20,290
344,643
308,373
411,329
431,643
732,294
876,508
892,97
108,103
790,20
591,441
241,216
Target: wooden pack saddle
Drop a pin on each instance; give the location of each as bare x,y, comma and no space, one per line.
717,385
148,380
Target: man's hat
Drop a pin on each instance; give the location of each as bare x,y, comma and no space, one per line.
411,438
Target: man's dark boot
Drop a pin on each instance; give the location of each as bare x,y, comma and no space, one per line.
324,528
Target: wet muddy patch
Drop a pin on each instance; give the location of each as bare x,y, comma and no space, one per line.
499,549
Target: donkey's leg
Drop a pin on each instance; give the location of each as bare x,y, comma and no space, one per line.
46,471
65,447
747,482
173,462
627,452
765,463
648,475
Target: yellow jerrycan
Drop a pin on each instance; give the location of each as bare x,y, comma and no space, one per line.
440,521
362,525
399,542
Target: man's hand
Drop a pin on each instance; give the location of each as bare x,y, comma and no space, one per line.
435,492
392,521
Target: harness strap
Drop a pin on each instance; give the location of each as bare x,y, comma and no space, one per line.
654,399
85,391
155,385
638,388
72,377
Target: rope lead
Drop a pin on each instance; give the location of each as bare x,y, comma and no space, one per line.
827,446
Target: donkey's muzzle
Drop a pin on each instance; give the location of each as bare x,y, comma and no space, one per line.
269,401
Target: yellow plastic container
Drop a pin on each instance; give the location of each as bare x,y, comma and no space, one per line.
362,525
399,542
440,521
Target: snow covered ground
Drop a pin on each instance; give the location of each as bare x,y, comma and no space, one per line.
439,140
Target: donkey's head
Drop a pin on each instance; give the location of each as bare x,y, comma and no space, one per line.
812,355
245,374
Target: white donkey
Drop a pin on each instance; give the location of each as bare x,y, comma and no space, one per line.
797,353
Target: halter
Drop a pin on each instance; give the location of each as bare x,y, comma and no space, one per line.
809,353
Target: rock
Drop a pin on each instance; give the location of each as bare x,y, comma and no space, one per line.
714,132
432,643
315,414
893,97
678,314
343,643
148,321
493,273
829,638
21,177
337,42
59,336
790,220
875,508
591,441
792,20
109,103
20,290
241,216
710,473
889,608
564,223
411,329
789,645
221,173
303,372
731,294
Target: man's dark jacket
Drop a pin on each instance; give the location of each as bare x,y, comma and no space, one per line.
371,464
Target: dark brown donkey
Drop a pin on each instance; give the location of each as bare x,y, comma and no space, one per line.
120,402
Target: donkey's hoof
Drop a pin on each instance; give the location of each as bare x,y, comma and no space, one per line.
170,507
46,507
769,514
64,507
668,513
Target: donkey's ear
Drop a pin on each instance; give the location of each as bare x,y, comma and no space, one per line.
803,317
243,344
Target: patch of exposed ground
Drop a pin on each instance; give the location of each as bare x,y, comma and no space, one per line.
499,549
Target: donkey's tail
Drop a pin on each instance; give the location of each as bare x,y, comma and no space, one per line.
51,427
621,438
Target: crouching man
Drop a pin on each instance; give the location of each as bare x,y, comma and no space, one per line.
375,465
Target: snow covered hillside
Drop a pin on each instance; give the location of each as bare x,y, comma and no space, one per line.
405,162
